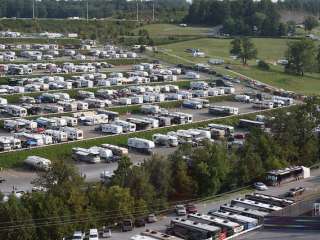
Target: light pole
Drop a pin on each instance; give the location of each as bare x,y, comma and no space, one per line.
153,10
87,10
33,4
137,11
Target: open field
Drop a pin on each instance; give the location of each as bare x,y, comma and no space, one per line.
172,29
269,50
308,84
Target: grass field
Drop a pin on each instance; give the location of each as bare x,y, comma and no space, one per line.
172,29
269,50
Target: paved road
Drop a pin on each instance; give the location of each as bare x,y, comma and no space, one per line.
309,183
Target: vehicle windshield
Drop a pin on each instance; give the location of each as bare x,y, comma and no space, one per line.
93,236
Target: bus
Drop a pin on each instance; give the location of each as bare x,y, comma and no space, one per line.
259,215
277,177
277,201
255,205
228,227
192,230
246,123
247,222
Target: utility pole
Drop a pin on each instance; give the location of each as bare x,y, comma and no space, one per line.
87,10
137,11
153,10
33,5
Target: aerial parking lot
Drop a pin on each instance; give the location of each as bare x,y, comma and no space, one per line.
168,141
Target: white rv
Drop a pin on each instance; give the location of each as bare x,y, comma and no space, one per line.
16,111
57,136
126,126
38,163
116,150
86,155
111,128
165,140
141,144
73,133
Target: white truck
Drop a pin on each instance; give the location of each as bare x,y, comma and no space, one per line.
140,144
38,163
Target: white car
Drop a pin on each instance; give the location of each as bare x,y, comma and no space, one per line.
93,234
78,235
106,233
180,210
260,186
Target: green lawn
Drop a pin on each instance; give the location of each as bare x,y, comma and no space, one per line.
308,84
156,30
268,49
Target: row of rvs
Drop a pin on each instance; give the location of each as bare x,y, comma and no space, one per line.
97,154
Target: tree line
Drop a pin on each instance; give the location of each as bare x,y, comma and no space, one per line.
242,17
97,8
311,6
134,191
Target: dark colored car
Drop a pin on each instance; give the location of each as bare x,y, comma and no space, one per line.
2,180
127,225
293,192
140,222
191,208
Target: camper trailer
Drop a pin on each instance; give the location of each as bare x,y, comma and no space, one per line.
116,150
16,111
86,155
73,133
126,126
38,163
111,129
141,144
165,140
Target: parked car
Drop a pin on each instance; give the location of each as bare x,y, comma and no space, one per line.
152,218
191,208
260,186
293,192
106,233
127,225
78,235
2,180
140,222
180,210
93,234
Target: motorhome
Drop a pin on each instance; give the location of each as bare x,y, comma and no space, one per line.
193,104
229,130
46,123
126,126
223,110
205,102
154,123
104,153
141,144
111,129
16,111
112,116
81,105
86,155
38,163
116,150
9,143
242,98
54,108
71,121
183,137
94,120
199,85
140,123
150,109
263,104
95,103
73,133
57,136
165,140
